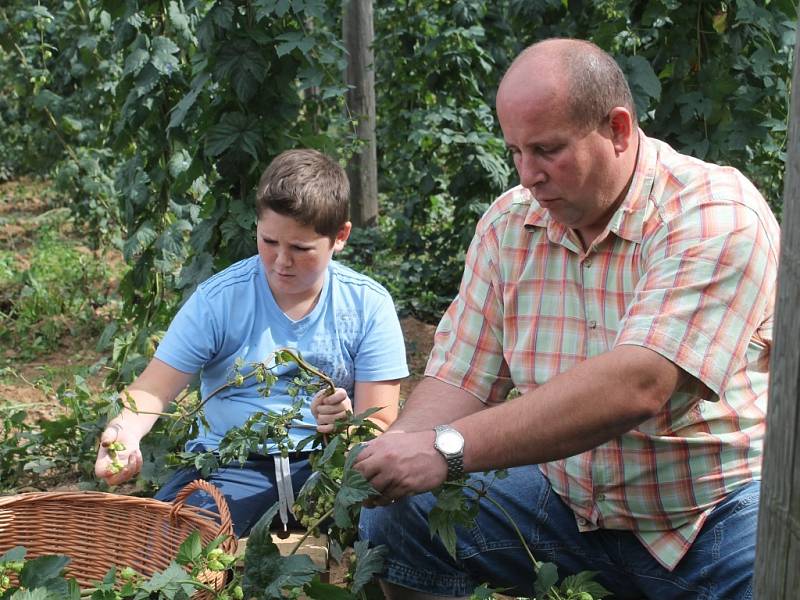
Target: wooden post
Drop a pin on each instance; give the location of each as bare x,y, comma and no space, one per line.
363,168
777,569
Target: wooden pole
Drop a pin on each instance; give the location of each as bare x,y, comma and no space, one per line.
777,569
363,168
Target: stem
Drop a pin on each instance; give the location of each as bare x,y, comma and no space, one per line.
310,368
299,543
481,494
295,357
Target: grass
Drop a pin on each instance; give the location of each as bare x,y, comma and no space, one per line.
52,287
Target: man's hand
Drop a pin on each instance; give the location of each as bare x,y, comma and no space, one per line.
401,464
329,408
118,457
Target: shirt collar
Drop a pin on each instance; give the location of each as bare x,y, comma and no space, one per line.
628,220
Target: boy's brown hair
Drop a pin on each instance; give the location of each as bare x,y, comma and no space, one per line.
308,186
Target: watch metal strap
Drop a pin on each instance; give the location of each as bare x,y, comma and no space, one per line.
455,467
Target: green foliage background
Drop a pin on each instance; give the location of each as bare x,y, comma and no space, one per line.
156,118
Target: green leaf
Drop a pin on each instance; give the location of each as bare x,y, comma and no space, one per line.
288,572
643,80
294,40
179,111
546,578
369,563
355,489
179,162
163,57
244,62
191,549
266,572
41,571
583,582
260,548
135,61
441,524
38,594
328,591
235,131
330,450
484,592
180,20
14,554
169,583
48,99
40,12
144,236
266,8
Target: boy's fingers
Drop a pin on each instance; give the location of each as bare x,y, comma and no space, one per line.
110,434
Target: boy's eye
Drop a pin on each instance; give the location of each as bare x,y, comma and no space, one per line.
301,248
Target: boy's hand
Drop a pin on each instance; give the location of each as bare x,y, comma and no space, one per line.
118,457
327,409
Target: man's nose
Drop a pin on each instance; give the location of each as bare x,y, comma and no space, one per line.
530,171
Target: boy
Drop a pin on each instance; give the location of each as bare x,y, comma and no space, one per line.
291,295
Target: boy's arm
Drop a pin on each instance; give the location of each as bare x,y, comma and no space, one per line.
327,409
378,394
151,392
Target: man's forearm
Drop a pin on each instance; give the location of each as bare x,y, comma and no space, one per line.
434,402
580,409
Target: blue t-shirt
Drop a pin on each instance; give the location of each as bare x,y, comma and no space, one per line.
352,334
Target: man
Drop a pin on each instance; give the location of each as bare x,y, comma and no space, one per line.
627,292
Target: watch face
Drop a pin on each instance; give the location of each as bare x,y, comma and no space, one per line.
449,442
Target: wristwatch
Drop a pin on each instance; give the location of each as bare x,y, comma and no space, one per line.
450,444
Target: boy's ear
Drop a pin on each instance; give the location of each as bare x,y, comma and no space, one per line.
341,236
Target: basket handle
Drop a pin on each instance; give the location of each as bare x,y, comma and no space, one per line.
225,525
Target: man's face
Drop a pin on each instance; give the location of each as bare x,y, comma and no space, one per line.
295,256
568,170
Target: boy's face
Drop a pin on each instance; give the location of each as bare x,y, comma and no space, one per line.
295,257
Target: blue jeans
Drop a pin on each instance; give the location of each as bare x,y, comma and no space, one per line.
718,566
249,490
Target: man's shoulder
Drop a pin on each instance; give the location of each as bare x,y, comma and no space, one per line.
511,207
685,182
232,279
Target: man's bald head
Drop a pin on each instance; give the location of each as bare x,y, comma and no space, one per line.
581,74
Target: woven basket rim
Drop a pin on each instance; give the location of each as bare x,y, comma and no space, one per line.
22,514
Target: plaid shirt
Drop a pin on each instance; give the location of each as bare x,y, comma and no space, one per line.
687,267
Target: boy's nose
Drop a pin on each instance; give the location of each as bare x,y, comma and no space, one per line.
283,259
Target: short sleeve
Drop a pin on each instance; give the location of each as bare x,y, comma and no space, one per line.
381,354
468,345
709,281
193,337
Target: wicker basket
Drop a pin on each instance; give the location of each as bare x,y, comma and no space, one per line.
98,530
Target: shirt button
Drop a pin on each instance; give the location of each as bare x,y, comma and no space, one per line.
601,497
587,263
592,324
581,521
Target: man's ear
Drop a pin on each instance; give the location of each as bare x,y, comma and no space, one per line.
620,120
341,236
